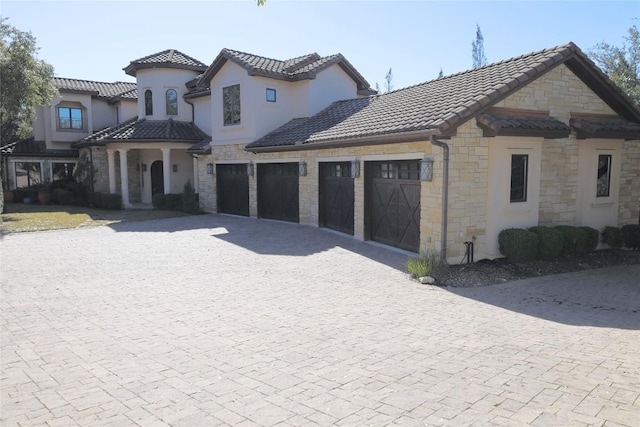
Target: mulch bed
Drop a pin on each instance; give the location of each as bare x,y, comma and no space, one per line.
491,272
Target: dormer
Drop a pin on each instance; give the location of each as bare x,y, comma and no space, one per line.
161,79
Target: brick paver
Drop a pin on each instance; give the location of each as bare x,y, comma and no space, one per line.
215,320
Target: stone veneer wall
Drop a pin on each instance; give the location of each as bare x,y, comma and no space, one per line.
101,172
629,210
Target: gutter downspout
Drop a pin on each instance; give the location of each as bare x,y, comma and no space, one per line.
445,194
193,110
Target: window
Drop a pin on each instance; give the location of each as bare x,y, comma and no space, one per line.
70,118
62,171
28,174
231,105
604,175
271,95
519,172
172,103
148,103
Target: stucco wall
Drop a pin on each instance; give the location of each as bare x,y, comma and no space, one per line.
159,80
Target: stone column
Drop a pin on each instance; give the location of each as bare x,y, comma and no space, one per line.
112,170
124,176
166,169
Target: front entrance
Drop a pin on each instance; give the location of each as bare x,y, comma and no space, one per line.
233,189
157,178
392,213
278,192
336,197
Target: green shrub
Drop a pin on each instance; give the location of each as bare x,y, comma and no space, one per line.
631,235
518,245
189,199
66,197
169,202
575,240
158,201
612,236
550,241
592,239
112,201
428,263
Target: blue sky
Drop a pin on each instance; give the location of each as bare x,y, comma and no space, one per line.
95,40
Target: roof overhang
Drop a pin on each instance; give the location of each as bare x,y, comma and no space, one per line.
395,138
507,122
604,127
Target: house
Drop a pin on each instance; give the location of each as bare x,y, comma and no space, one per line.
541,139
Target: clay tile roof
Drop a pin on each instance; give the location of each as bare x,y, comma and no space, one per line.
30,147
522,125
143,130
99,89
169,58
605,128
294,69
440,106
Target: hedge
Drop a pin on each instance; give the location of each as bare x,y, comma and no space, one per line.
575,240
612,236
550,242
518,245
631,235
592,239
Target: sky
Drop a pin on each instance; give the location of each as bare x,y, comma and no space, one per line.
95,40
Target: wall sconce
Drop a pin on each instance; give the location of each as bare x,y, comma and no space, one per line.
209,168
250,169
302,168
175,168
426,169
355,169
144,167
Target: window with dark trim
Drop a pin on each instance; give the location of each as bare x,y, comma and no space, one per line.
28,174
172,102
70,118
62,171
231,105
604,175
271,95
148,103
519,173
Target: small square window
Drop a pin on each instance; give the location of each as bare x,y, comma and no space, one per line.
271,95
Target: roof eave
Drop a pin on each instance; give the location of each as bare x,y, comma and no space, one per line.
394,138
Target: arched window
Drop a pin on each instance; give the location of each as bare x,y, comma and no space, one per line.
172,103
148,103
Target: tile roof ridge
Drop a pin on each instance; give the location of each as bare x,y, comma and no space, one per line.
91,81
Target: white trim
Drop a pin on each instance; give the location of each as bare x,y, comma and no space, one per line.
399,156
230,162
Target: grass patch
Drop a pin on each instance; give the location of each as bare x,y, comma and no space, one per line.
23,218
428,263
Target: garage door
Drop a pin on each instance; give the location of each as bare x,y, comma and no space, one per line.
278,191
392,212
336,197
233,189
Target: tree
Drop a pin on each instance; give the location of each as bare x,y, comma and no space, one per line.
440,75
621,64
477,50
388,81
27,82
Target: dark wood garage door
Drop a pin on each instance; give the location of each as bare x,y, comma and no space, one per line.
233,189
336,197
392,213
278,191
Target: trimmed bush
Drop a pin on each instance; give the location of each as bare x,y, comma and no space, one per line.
65,197
428,263
592,239
631,235
550,242
612,236
167,201
518,245
112,201
189,199
575,240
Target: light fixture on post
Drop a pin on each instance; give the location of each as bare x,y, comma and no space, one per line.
250,169
426,169
302,168
209,168
355,169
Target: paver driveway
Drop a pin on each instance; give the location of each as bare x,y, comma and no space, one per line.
215,320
